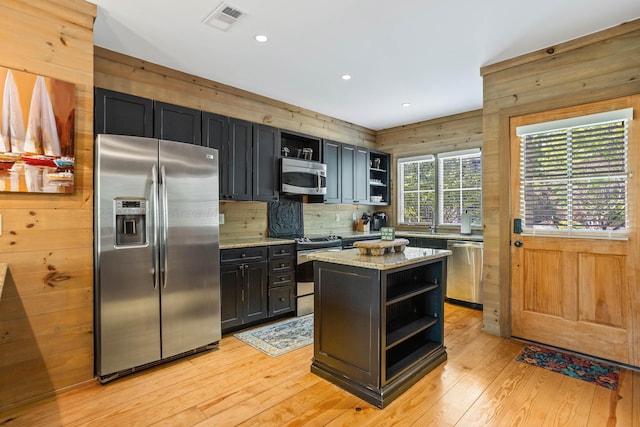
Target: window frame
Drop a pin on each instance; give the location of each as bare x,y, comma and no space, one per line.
568,125
437,210
400,198
460,154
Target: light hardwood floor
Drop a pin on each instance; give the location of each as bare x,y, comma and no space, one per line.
479,385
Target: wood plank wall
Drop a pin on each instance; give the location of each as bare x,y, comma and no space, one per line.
46,310
451,133
604,65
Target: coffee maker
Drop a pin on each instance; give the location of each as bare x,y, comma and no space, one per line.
379,220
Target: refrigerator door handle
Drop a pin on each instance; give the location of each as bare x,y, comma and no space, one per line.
165,218
155,262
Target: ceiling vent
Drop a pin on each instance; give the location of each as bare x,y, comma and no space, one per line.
223,17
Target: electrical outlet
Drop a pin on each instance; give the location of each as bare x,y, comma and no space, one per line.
354,216
337,217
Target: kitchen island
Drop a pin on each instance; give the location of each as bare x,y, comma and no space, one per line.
378,322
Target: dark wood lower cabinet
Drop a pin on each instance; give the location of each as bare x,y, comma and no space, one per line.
243,294
281,300
427,242
256,283
377,332
243,287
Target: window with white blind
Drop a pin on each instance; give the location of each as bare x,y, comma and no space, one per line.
437,190
417,190
460,187
573,175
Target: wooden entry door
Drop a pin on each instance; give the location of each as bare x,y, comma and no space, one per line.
567,292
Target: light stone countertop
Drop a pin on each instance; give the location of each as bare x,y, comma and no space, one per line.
354,258
447,236
3,274
245,242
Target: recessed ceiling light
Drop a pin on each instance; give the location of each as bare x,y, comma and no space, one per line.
261,38
406,104
346,77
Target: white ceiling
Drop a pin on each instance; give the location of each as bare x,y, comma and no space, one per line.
426,52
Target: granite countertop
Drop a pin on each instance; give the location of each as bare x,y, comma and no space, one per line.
447,236
354,258
245,242
357,234
3,274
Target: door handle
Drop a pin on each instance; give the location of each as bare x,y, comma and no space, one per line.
165,221
518,243
154,207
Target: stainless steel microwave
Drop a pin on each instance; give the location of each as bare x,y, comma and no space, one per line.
303,176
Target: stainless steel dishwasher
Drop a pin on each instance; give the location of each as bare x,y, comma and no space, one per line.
464,272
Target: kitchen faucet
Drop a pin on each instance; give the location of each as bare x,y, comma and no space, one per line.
432,227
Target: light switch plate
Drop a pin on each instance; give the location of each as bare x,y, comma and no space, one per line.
221,219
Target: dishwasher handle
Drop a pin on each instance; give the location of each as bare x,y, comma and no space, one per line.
462,244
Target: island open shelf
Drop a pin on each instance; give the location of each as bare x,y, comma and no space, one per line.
378,320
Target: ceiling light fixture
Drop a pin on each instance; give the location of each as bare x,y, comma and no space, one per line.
346,77
406,104
261,38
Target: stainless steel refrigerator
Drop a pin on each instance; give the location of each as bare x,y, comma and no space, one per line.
157,269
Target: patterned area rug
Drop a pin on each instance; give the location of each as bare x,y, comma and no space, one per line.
282,337
602,374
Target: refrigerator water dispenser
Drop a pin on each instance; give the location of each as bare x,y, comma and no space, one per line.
131,221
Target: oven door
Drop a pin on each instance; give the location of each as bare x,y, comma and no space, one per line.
304,285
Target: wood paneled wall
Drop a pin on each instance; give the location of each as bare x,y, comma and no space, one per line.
46,310
604,65
451,133
249,219
123,73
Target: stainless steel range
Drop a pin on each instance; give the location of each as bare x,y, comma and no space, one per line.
304,271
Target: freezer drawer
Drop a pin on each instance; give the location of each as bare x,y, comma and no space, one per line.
464,271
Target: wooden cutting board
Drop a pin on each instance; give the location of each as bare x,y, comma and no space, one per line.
380,247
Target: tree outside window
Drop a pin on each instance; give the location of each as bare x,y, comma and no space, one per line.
460,187
440,191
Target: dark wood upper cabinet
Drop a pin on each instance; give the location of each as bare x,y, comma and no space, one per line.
119,113
215,134
361,175
215,130
177,123
266,156
347,170
239,158
331,156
